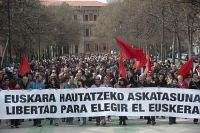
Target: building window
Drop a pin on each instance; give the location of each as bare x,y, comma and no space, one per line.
86,17
75,17
95,17
91,31
76,49
87,32
104,47
67,49
87,47
91,17
96,47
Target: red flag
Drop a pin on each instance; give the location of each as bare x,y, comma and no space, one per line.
139,64
127,52
185,69
122,72
24,66
148,65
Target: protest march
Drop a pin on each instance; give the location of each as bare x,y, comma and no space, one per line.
99,86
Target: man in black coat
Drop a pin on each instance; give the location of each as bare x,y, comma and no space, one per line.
150,83
195,84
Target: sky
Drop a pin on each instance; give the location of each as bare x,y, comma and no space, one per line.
93,0
102,0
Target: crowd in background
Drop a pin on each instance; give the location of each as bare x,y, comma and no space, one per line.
87,71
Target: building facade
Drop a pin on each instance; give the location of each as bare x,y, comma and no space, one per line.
87,12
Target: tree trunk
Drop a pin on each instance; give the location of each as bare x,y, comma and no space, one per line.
62,50
162,39
178,46
173,47
189,37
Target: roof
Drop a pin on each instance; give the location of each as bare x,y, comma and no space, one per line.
86,3
74,3
51,2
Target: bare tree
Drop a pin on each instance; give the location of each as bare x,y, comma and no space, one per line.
35,27
163,26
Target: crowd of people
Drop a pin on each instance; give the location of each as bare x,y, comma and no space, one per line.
87,71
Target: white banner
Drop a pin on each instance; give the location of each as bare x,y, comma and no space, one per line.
61,103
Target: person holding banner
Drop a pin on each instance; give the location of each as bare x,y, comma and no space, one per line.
69,84
81,84
53,85
15,122
122,83
131,79
37,84
161,83
150,83
174,84
106,83
140,83
100,119
195,84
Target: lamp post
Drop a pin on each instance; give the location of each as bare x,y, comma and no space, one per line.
162,39
39,38
9,32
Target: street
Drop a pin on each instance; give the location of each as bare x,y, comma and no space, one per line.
64,62
135,125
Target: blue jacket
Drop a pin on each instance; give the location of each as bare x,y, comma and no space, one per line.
36,85
69,86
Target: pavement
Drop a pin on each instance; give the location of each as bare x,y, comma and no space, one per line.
135,125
